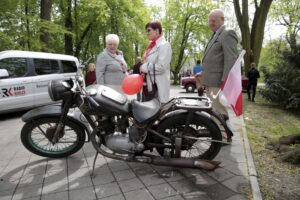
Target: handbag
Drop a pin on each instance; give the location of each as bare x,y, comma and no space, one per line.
149,95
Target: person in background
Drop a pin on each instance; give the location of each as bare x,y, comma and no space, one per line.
219,56
138,64
253,75
90,77
158,58
111,68
136,70
198,78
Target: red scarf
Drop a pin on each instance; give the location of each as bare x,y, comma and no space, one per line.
150,46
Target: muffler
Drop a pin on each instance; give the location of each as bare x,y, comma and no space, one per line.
208,165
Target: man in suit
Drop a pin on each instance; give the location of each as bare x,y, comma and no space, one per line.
219,57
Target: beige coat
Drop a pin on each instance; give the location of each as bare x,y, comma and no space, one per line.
219,57
160,57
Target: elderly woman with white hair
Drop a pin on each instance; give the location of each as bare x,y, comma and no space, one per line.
111,68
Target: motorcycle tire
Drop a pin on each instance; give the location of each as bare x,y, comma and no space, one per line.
38,142
200,127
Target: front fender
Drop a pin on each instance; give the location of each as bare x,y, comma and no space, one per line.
74,115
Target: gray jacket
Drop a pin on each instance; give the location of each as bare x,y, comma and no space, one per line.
110,69
159,58
219,57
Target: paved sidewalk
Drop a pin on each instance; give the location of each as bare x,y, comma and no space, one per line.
27,176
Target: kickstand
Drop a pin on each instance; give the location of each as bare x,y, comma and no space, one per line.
94,163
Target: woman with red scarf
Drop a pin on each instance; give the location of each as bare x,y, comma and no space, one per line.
90,77
158,58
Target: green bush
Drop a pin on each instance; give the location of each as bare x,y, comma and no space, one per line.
283,83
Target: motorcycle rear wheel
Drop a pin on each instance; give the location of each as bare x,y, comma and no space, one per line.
36,137
201,128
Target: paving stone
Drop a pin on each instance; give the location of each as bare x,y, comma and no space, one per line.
162,191
142,194
101,169
239,169
172,175
202,180
220,174
177,197
114,197
83,194
55,175
218,192
184,186
116,165
163,168
237,184
31,180
8,185
142,170
76,163
78,172
56,196
27,192
237,157
196,196
237,197
99,162
55,164
56,186
152,179
107,190
124,175
131,184
6,194
103,179
80,182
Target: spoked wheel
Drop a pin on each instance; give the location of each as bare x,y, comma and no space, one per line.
37,137
198,139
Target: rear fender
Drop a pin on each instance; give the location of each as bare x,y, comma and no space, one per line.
74,115
182,112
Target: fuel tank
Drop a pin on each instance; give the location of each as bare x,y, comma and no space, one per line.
110,101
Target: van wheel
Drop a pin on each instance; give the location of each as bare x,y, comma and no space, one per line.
190,88
37,135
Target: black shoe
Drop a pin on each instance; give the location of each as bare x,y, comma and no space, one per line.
249,99
253,100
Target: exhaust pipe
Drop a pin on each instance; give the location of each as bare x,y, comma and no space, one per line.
208,165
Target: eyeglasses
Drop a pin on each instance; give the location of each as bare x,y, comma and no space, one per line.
148,30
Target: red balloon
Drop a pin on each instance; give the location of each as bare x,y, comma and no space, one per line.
132,84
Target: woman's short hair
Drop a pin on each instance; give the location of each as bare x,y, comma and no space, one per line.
154,25
112,37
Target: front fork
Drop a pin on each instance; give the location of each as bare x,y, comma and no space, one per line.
61,123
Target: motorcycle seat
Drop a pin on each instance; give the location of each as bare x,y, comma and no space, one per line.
144,112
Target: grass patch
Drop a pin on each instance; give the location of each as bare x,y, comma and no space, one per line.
266,122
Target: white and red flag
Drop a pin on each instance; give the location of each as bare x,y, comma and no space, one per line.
232,86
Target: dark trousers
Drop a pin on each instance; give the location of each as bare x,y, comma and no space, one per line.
253,86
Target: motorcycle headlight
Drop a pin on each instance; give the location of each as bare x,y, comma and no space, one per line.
57,88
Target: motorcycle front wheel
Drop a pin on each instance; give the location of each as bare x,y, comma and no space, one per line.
199,139
37,135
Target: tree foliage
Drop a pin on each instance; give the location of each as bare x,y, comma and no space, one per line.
287,14
75,27
185,25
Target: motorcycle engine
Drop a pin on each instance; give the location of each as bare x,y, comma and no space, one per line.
126,143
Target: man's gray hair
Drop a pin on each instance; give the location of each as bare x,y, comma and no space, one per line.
217,12
112,37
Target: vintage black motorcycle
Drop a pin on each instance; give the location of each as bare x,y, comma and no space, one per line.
182,131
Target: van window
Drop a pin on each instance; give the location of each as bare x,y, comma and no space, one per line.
69,66
16,67
45,66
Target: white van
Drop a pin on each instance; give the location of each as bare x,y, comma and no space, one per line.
24,77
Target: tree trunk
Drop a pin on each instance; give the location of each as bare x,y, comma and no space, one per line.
46,6
79,43
27,26
69,27
252,40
